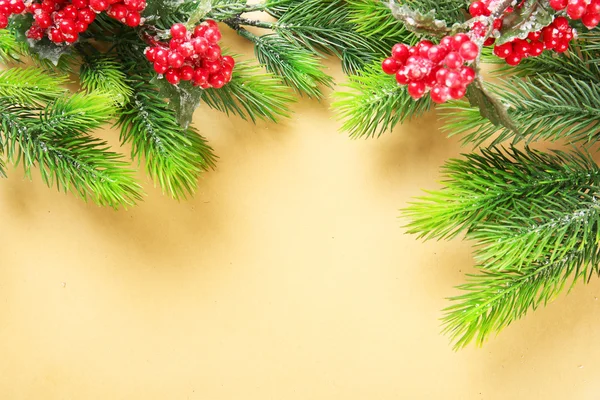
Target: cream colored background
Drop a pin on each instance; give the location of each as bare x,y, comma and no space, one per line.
287,277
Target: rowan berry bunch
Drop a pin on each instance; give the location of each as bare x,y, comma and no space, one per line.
192,56
588,11
437,69
8,8
63,20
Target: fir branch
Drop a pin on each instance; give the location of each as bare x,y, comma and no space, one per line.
493,300
103,73
10,49
174,157
297,66
67,157
543,108
374,103
373,19
501,185
31,86
251,94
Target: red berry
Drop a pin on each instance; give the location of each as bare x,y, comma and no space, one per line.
35,32
55,35
200,45
3,21
42,19
161,56
437,53
453,79
591,20
441,76
178,31
70,12
513,59
86,15
172,76
17,6
402,76
390,66
400,52
99,5
534,35
200,76
561,46
498,24
213,53
213,35
186,73
521,47
133,19
413,51
212,66
458,40
217,81
489,41
118,11
199,30
576,9
80,3
186,49
70,38
160,68
423,47
446,42
228,60
66,26
458,93
416,90
561,23
503,50
439,94
536,49
593,7
175,59
469,51
558,4
150,52
454,60
478,9
467,74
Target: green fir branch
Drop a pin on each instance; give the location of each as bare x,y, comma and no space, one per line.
297,67
66,156
542,108
251,94
103,73
374,103
174,157
10,49
31,86
374,19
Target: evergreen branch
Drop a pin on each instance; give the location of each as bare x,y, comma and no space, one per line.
493,300
174,157
372,19
31,86
251,94
67,158
78,113
375,103
103,74
298,67
500,186
543,108
10,49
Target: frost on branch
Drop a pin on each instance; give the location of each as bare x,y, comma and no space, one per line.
416,21
532,16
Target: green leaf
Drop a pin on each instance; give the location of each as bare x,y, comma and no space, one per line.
531,16
183,98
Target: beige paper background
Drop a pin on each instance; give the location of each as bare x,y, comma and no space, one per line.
288,276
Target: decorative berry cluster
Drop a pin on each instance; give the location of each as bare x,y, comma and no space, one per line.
588,11
439,69
555,36
63,20
192,56
9,7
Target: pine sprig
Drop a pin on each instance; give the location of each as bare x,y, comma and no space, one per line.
103,73
298,67
31,86
251,94
543,108
10,50
373,19
66,155
174,157
374,103
535,220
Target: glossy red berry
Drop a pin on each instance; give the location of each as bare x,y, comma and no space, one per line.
469,50
99,5
513,59
558,5
213,35
228,60
590,20
186,73
457,93
467,74
133,19
200,76
478,9
454,60
172,76
416,90
160,68
175,59
440,94
400,52
503,50
390,66
217,81
437,53
576,9
178,31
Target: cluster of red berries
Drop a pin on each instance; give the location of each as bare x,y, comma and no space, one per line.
439,69
64,20
9,7
555,36
192,56
588,11
481,8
